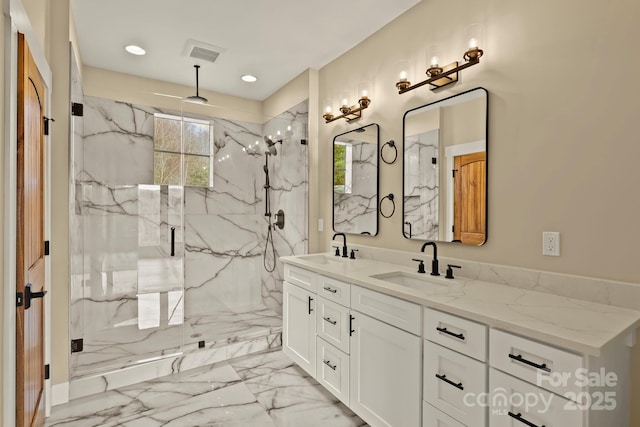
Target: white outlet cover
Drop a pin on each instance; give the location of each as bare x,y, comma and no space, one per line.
320,224
551,243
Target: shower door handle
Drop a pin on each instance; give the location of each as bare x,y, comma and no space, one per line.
173,241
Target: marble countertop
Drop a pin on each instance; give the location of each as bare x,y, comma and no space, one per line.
581,326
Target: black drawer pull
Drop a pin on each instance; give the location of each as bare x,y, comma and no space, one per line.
328,319
328,363
351,330
448,332
328,289
448,381
518,417
520,359
310,309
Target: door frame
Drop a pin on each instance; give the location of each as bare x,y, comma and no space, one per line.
16,20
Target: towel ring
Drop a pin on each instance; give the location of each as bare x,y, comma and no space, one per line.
391,143
393,210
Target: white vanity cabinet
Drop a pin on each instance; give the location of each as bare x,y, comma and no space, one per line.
299,318
385,360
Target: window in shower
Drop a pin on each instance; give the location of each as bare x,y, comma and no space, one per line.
183,151
342,167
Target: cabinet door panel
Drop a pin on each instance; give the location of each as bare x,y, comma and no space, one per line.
299,327
385,386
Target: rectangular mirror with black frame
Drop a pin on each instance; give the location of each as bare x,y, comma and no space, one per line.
355,181
445,169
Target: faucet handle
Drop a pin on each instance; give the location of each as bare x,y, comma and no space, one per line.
420,266
353,254
450,268
337,250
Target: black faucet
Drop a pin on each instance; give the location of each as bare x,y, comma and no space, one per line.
434,263
344,243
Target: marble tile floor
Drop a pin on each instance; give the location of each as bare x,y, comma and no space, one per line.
261,390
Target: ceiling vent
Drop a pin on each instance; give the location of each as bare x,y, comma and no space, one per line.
201,50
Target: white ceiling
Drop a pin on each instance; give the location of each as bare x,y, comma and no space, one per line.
273,39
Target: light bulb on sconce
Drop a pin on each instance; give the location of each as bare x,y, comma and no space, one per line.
403,75
434,53
473,37
349,112
442,75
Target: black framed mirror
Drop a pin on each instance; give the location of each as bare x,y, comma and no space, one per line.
355,181
445,169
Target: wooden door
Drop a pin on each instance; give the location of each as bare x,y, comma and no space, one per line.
469,198
30,271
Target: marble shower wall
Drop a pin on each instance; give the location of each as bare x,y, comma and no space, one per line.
226,296
421,188
357,212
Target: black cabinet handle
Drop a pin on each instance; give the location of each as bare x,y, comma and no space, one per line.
520,359
351,330
328,319
173,241
310,309
518,417
328,363
448,332
328,289
448,381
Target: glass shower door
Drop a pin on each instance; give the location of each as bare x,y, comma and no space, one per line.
130,309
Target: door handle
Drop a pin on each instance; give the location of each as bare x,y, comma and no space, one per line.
173,241
310,309
28,295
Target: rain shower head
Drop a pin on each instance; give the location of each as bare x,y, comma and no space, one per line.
271,146
197,99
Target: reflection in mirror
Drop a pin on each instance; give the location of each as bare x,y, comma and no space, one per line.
444,170
355,181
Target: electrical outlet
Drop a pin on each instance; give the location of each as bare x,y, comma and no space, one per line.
551,243
320,224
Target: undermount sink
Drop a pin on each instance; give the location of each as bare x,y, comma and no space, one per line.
323,259
409,280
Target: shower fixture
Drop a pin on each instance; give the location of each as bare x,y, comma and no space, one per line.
271,146
279,216
197,99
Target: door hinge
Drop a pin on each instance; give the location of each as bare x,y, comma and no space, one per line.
47,248
47,372
453,173
19,299
77,345
46,124
77,109
434,160
452,228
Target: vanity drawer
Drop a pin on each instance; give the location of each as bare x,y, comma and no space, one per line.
332,323
449,379
432,417
456,333
332,370
394,311
515,403
334,290
301,277
537,363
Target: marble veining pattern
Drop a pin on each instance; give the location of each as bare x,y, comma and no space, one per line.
357,212
262,390
130,300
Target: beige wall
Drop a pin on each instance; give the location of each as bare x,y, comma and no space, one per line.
563,142
3,58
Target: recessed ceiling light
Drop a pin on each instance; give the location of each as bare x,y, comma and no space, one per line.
249,78
135,50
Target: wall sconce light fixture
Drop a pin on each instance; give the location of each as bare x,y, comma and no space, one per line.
350,112
440,76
